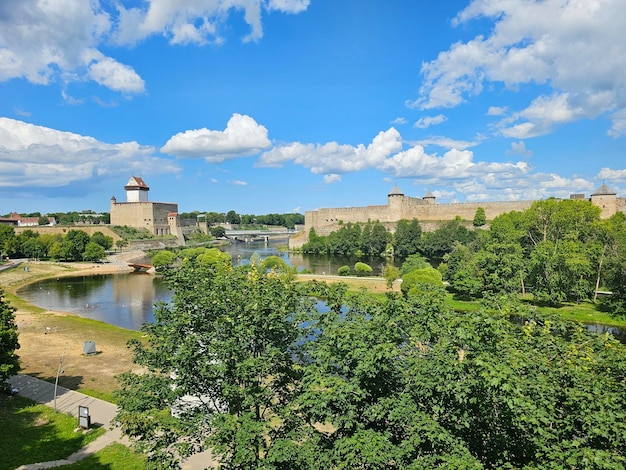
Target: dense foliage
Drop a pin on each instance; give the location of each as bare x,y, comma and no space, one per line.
558,250
9,364
242,362
213,218
76,245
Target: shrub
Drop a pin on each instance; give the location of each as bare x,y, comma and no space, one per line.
362,269
344,271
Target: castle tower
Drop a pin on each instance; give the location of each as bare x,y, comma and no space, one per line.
606,200
394,202
136,190
430,197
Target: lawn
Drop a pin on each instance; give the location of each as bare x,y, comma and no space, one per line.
113,457
35,433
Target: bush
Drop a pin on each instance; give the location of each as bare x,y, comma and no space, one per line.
362,269
344,271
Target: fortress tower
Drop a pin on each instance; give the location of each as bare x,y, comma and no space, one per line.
160,218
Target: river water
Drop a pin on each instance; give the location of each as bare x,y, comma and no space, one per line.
127,300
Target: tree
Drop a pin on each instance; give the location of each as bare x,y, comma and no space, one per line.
391,273
43,220
9,364
102,240
218,232
94,252
163,259
219,359
407,238
480,218
413,262
74,245
121,243
419,278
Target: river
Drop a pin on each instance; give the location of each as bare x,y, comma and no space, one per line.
127,300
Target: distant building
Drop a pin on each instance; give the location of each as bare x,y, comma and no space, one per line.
19,221
160,218
430,213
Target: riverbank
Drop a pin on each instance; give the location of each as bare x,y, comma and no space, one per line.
45,336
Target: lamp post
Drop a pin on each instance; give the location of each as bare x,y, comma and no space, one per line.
56,382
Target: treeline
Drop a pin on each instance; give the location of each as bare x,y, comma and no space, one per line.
76,245
560,250
232,217
373,239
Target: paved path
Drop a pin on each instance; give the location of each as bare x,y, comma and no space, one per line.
101,413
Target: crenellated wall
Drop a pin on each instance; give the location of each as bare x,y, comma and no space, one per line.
428,212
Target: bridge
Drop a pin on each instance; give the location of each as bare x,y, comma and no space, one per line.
258,235
139,267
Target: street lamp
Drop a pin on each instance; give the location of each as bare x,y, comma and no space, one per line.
56,382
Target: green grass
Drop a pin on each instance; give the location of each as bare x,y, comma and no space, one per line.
35,433
112,457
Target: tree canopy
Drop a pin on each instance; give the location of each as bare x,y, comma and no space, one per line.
9,364
241,361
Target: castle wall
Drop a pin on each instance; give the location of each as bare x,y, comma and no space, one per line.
150,215
326,221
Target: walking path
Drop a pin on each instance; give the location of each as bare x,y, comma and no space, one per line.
101,413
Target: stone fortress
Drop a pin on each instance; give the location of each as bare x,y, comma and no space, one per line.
429,213
160,218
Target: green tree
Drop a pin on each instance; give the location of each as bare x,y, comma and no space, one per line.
391,273
93,252
9,364
218,232
420,277
407,238
413,262
464,273
219,357
163,259
74,244
121,243
215,257
101,239
438,243
480,218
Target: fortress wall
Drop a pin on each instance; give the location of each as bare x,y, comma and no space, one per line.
150,215
328,220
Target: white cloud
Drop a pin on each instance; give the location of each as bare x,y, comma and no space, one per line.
242,137
195,21
496,110
39,157
332,178
399,121
519,148
612,175
574,48
333,157
238,183
44,42
446,142
428,121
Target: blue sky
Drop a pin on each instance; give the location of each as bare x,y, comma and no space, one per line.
265,106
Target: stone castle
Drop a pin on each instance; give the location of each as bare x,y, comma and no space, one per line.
160,218
430,213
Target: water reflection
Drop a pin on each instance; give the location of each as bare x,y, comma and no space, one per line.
124,300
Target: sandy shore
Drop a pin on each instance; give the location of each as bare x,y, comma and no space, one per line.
46,336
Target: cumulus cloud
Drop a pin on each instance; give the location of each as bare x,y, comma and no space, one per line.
195,21
519,148
332,178
610,174
428,121
333,157
39,157
242,137
44,42
576,49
